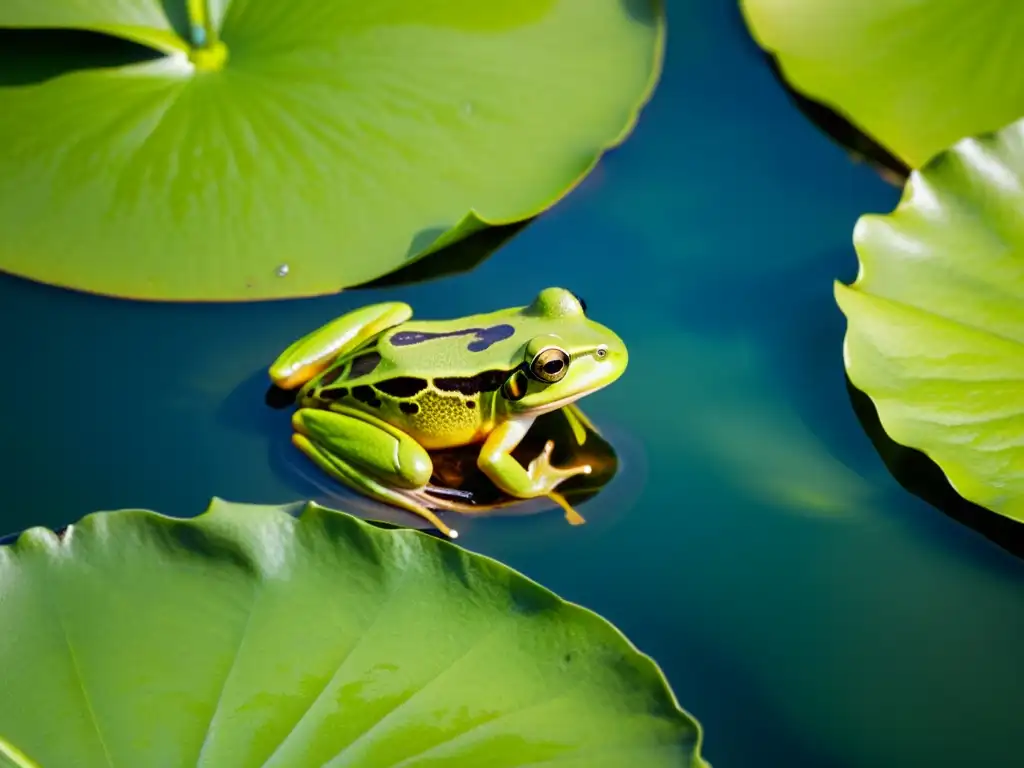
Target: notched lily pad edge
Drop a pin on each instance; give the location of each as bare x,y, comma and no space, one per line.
40,537
962,481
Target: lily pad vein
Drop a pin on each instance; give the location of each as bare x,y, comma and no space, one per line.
54,604
933,315
381,612
456,737
257,594
405,702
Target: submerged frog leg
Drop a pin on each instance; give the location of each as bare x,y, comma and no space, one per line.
579,423
311,354
539,479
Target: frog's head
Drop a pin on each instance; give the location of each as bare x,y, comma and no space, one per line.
569,357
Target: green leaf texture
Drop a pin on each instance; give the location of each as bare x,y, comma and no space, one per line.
300,636
936,317
336,142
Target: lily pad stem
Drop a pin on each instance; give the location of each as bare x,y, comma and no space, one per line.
208,51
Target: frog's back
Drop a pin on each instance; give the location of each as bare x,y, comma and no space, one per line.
436,380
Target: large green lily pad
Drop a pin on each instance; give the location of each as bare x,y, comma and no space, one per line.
299,636
917,76
936,317
334,143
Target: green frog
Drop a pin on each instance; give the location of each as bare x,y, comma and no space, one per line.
377,392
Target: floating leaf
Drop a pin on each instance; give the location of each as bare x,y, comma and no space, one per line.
917,76
936,317
248,636
306,147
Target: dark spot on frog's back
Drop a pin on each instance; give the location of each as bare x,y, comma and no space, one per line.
486,381
365,394
409,408
363,365
402,386
483,338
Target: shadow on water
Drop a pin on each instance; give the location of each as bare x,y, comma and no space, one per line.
917,473
458,258
859,145
33,56
241,410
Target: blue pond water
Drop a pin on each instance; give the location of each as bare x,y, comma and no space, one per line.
807,609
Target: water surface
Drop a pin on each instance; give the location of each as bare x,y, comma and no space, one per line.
807,609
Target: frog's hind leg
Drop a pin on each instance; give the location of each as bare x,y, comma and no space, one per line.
351,477
368,455
308,356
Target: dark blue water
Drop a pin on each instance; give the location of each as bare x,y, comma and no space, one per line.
807,609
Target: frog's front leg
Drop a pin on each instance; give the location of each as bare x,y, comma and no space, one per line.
367,454
308,356
539,479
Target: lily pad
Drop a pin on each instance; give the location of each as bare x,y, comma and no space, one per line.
297,149
300,636
916,76
935,331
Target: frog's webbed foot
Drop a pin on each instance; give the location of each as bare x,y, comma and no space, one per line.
540,478
543,473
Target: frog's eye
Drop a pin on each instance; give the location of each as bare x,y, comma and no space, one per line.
550,365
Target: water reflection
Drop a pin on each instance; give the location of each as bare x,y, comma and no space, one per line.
807,608
601,499
923,477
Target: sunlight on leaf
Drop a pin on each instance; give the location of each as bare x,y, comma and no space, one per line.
300,636
936,317
334,144
916,76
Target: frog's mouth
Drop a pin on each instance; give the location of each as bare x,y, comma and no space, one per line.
540,410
